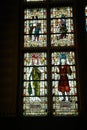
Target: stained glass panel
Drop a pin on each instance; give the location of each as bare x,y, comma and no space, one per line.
35,28
35,84
64,84
62,31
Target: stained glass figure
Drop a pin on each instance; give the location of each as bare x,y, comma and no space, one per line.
64,83
35,28
35,84
62,27
86,18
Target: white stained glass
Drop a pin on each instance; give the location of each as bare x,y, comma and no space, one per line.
57,12
34,106
65,108
35,14
39,58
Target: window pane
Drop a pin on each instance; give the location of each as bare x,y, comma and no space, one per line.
64,84
35,28
35,84
62,27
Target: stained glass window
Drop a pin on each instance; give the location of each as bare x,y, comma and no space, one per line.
49,61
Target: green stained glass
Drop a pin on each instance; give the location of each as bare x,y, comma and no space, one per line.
35,84
62,31
64,83
35,28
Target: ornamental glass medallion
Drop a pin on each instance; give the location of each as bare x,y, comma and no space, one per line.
35,84
62,31
35,28
64,84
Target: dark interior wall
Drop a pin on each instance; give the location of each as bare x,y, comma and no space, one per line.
8,56
9,46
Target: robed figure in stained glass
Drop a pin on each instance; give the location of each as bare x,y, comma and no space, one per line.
64,69
35,75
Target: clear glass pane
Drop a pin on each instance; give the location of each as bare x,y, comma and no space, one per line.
35,84
35,28
64,84
62,31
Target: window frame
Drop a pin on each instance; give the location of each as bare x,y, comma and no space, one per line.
47,49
